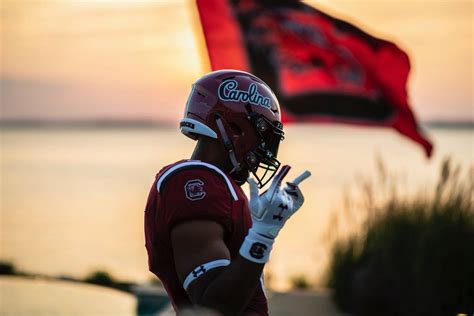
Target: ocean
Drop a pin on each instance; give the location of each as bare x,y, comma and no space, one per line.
72,199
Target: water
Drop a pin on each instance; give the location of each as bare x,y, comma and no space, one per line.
24,297
72,200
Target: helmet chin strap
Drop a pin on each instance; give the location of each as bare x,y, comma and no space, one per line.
228,146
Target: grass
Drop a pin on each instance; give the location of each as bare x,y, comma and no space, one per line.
412,255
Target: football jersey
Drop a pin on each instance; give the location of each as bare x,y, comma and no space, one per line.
194,190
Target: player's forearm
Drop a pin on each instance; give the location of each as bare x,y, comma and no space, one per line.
230,289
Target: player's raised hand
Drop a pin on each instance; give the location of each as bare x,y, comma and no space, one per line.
293,190
272,209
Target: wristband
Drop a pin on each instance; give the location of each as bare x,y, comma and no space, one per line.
256,248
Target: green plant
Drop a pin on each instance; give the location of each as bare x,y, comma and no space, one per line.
100,278
414,256
7,268
300,282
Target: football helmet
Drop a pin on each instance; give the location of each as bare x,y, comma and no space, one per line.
243,113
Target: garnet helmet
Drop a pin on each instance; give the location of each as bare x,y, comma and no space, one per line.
243,113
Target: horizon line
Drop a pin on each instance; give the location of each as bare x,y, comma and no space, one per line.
154,123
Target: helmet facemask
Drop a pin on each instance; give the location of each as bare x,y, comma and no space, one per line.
262,160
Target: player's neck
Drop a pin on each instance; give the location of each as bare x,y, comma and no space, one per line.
210,151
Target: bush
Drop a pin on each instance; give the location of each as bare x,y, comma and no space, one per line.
104,278
300,282
100,278
7,268
414,257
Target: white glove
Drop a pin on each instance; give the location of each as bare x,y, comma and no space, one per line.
272,209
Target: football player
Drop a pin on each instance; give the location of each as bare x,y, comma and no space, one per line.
206,242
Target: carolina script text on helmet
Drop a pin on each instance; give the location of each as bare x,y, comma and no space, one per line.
228,92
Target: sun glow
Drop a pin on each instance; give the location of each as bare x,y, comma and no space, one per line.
147,53
143,54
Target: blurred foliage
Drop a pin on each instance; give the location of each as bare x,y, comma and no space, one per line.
100,278
7,268
104,278
413,255
300,282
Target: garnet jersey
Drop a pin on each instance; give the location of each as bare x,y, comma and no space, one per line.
194,190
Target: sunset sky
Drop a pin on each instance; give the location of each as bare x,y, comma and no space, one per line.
106,59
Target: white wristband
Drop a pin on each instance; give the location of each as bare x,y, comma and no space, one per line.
256,247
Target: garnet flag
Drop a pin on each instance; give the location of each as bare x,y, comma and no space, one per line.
322,69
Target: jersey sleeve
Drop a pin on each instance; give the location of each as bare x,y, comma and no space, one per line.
196,194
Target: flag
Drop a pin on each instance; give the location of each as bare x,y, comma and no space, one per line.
322,69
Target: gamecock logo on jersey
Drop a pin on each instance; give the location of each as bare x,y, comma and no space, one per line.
194,189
